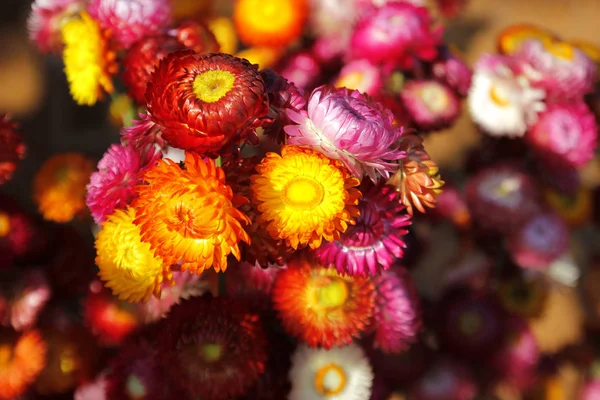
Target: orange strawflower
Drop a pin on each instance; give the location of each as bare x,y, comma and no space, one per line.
21,361
190,215
321,307
59,186
270,22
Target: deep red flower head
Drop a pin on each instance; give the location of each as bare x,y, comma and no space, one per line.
212,347
204,101
196,36
12,148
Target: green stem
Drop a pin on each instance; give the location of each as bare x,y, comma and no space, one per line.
218,162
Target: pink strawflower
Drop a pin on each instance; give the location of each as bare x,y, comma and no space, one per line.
539,241
566,133
249,278
502,100
395,33
454,73
331,21
143,133
361,75
431,104
517,360
375,241
283,96
111,187
130,20
591,390
501,199
445,380
301,69
348,126
397,317
564,71
94,390
45,21
23,298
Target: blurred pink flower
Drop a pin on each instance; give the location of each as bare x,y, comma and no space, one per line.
45,21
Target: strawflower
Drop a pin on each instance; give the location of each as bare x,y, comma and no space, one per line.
417,179
321,307
215,348
119,171
45,21
12,148
304,197
375,241
275,23
23,298
361,75
60,184
130,20
342,373
348,126
22,358
431,104
89,60
127,264
203,102
454,73
445,379
189,216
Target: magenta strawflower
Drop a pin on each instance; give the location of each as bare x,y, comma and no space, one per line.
539,241
375,242
565,133
250,278
395,33
454,73
111,187
302,69
517,360
431,104
564,71
348,126
283,96
46,19
361,75
130,20
143,132
397,319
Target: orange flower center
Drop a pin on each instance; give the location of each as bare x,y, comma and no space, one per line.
212,86
211,352
6,354
470,323
330,380
303,193
560,49
332,293
435,98
499,96
4,224
352,81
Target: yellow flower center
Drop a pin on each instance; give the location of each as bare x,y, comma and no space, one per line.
499,97
470,323
211,352
560,49
5,356
68,361
434,97
330,380
135,388
303,193
507,187
334,294
212,86
352,81
4,224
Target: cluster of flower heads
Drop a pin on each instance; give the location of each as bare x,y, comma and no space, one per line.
253,227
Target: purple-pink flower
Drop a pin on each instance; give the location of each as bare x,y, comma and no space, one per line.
348,126
431,104
375,241
395,33
111,187
130,20
563,71
361,75
45,21
566,133
397,316
454,73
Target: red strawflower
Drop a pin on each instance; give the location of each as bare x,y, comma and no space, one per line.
214,347
12,148
205,101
